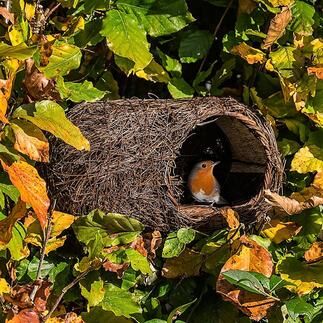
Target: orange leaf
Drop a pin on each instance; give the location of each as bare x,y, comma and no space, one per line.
30,140
318,71
7,15
32,188
315,253
250,54
231,217
7,224
24,316
249,257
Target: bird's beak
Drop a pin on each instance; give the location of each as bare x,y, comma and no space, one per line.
216,163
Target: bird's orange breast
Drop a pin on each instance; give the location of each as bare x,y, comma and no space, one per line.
204,180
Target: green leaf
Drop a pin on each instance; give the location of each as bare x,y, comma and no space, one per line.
120,301
65,57
126,228
138,261
90,35
252,282
46,268
50,116
180,89
172,65
194,46
97,314
303,18
179,310
78,92
7,188
288,147
172,247
298,307
159,18
126,38
21,51
108,84
186,235
92,289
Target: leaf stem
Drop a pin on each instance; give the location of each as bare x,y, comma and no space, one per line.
215,33
46,236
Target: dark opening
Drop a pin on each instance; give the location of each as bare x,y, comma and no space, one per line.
241,155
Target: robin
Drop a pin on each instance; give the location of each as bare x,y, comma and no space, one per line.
203,184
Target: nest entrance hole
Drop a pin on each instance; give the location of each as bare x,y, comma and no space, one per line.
242,158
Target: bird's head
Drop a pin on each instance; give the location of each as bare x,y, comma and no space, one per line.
206,165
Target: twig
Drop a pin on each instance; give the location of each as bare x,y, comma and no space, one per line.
64,291
50,11
46,237
215,33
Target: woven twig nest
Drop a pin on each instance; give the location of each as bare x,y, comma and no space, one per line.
143,150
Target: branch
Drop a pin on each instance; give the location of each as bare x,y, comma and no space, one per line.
64,291
46,237
215,33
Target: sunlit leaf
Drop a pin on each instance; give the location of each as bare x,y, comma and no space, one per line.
21,51
314,253
303,18
50,116
126,38
308,159
250,54
4,287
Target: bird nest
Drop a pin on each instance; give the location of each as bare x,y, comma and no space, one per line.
142,152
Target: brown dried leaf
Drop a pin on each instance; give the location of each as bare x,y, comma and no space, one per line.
139,245
277,27
7,14
30,140
315,252
7,224
187,264
119,269
153,241
31,186
38,86
41,297
25,316
249,257
289,205
318,71
231,217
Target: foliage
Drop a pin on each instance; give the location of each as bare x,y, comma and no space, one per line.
108,267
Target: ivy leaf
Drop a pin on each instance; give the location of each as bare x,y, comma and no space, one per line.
64,58
50,116
78,92
126,38
30,140
120,301
159,18
21,51
194,46
303,18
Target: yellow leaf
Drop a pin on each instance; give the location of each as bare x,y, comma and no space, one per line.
250,54
30,140
7,224
60,222
305,277
32,188
278,231
54,244
308,159
154,72
15,35
4,287
29,11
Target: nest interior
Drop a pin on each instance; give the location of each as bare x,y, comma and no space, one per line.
143,150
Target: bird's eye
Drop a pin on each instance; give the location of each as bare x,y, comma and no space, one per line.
203,165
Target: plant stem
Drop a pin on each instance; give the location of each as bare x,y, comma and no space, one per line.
46,237
64,291
217,28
